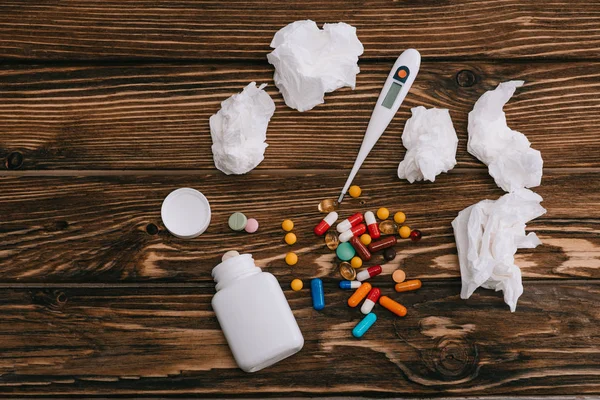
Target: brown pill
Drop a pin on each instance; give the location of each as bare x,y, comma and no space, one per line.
408,285
398,276
382,244
360,248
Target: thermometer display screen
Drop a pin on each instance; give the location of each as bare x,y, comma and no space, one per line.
391,95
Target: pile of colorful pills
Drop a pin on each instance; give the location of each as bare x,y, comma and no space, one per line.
239,222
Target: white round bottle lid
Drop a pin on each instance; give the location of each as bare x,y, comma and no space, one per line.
185,213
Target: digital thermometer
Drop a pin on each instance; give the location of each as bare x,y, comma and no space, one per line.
394,91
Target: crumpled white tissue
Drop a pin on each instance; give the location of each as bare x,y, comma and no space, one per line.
310,62
431,142
511,161
239,130
488,235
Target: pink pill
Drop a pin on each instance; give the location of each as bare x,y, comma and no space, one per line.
251,225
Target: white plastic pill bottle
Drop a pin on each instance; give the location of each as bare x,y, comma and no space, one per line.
254,314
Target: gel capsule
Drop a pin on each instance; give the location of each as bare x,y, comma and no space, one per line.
363,326
368,273
382,244
407,286
350,284
331,240
360,248
393,306
354,231
370,301
359,294
388,227
348,223
372,225
317,294
326,223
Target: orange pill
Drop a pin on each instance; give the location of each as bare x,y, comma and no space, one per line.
359,294
398,276
393,306
408,285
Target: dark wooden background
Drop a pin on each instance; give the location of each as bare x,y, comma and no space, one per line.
104,109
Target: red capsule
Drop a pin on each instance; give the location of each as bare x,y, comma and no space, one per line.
368,273
372,225
348,223
354,231
370,301
326,223
360,248
389,241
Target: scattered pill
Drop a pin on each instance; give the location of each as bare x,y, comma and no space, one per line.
383,213
368,273
346,271
408,285
229,254
393,306
237,221
370,301
291,258
360,248
290,238
415,235
328,205
345,251
356,230
350,284
251,225
372,225
349,222
356,262
317,294
363,326
388,227
359,294
331,240
389,254
326,223
399,217
296,285
365,239
404,232
399,276
354,191
382,244
287,225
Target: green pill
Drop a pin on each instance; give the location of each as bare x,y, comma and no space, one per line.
345,251
237,221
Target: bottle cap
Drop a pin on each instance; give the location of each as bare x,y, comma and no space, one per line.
185,213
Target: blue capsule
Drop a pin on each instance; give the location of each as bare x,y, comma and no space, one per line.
350,284
317,293
363,326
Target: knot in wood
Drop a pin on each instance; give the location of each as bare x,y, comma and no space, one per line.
466,78
455,358
14,160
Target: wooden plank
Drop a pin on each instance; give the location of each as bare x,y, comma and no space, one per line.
156,116
167,342
93,229
243,30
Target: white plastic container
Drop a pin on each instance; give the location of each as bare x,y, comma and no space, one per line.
254,314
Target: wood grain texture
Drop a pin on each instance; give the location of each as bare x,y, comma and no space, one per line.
93,229
156,116
144,29
168,342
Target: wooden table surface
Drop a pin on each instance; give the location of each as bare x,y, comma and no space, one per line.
104,109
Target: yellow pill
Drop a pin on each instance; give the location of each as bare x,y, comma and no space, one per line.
356,262
365,239
354,191
287,225
290,238
296,285
291,258
383,213
399,217
404,232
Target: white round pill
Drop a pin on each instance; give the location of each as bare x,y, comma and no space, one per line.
229,254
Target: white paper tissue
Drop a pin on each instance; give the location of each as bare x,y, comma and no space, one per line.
431,141
310,62
511,161
239,130
488,235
